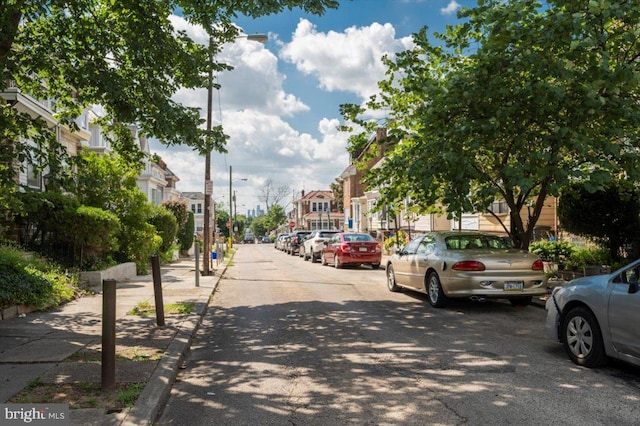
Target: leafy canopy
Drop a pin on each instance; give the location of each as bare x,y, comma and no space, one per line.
513,104
126,56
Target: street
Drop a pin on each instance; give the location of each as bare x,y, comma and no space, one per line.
290,342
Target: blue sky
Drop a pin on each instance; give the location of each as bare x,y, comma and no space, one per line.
280,105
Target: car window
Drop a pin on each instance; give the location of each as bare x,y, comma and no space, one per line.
326,234
427,245
471,242
358,237
412,247
631,275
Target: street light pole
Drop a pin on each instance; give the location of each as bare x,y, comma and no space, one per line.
207,171
230,209
260,38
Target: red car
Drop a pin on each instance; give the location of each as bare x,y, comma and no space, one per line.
347,248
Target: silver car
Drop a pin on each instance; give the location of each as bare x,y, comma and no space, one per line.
466,264
597,317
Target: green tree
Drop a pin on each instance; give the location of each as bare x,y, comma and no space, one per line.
125,56
259,226
109,182
513,104
222,217
609,216
274,217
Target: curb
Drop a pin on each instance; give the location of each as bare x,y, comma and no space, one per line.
151,402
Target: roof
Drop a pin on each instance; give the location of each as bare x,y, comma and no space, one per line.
318,194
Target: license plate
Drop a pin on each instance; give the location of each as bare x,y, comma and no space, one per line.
363,249
513,285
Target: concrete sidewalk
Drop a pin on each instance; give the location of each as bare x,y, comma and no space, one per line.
38,346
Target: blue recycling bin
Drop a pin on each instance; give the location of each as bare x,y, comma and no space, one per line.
214,255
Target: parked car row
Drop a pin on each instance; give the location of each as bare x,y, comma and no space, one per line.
593,317
332,247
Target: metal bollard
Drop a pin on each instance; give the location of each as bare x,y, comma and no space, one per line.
197,247
157,289
108,334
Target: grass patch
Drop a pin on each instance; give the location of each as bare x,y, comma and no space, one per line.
79,395
147,309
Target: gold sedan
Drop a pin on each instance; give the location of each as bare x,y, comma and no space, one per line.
478,265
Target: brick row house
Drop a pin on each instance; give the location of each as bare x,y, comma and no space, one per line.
316,210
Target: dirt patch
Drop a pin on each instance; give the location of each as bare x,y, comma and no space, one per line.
80,395
89,394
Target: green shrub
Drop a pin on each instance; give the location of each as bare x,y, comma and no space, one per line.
95,232
587,256
401,238
552,251
30,280
185,233
166,226
167,256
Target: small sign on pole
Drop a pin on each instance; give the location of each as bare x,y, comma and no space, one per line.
292,224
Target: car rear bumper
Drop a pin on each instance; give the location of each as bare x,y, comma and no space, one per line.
472,284
361,258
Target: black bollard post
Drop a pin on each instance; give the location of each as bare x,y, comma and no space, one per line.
197,264
157,289
108,334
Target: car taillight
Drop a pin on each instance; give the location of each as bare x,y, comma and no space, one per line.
538,265
468,265
345,247
378,248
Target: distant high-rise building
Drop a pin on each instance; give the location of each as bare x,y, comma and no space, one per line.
257,212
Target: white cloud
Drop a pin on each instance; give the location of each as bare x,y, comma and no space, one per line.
349,61
451,8
260,116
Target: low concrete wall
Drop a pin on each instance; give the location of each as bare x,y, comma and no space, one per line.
118,272
15,311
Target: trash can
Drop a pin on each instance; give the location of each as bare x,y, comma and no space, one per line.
214,255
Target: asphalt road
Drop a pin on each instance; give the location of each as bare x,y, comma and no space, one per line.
288,342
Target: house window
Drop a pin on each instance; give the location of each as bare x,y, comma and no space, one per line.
193,208
499,207
199,208
156,195
314,207
326,206
33,176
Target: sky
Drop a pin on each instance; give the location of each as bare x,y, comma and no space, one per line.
280,104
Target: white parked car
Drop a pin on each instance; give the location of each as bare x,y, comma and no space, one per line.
312,247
